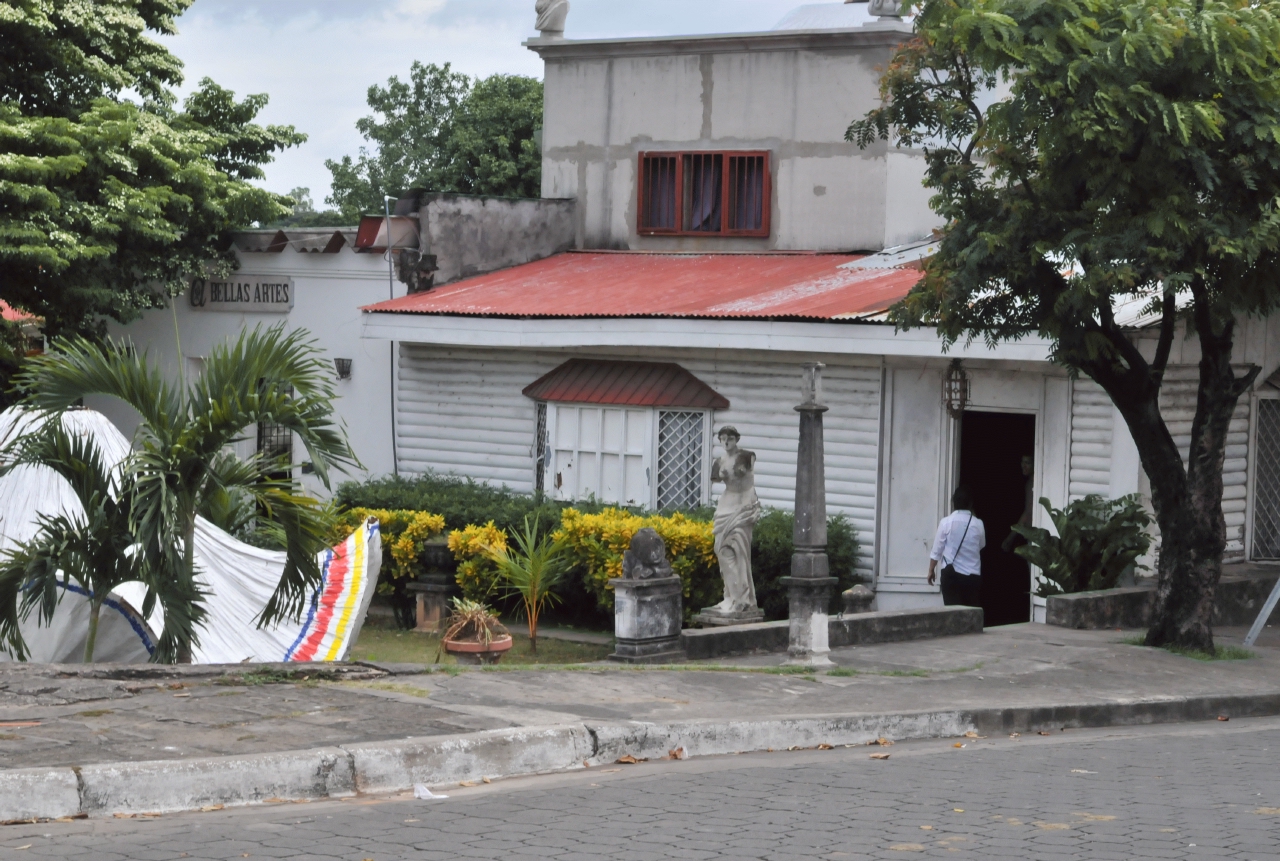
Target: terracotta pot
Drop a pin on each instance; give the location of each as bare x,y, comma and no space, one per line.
471,652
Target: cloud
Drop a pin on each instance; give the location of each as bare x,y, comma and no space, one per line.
317,58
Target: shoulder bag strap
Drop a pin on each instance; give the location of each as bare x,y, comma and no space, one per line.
961,544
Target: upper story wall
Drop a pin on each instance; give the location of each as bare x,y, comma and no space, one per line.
791,93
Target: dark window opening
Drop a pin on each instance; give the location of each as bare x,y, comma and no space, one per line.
704,193
540,446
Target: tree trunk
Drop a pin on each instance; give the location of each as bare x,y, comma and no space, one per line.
95,608
1193,533
1187,499
531,613
189,573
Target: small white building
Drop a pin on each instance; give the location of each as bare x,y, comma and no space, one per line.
726,233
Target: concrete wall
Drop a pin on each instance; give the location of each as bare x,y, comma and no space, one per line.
793,94
329,290
473,235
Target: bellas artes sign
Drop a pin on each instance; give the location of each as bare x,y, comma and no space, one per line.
245,293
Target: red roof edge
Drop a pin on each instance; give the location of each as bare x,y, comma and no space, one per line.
621,383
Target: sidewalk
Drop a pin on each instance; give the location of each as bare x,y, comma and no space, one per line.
103,739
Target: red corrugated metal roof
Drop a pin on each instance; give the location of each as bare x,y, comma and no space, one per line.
637,384
639,284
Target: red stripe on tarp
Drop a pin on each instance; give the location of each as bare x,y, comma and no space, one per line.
335,581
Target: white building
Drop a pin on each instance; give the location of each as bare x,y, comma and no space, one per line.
705,229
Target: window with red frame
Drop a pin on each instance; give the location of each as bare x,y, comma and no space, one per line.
704,193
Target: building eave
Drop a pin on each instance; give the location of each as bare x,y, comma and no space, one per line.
561,333
879,34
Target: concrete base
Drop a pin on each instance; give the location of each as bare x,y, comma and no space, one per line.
665,650
710,618
1240,595
892,626
808,629
647,615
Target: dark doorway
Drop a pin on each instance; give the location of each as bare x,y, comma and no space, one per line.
991,449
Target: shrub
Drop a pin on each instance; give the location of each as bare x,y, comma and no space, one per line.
771,549
596,542
1098,540
460,501
473,547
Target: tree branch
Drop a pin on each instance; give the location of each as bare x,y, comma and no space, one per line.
1168,323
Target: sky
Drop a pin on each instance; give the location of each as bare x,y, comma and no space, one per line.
317,58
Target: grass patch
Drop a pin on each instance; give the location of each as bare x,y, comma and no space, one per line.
842,672
94,713
414,647
276,677
903,673
1220,653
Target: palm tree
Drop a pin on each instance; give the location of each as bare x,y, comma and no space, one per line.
265,375
97,549
532,572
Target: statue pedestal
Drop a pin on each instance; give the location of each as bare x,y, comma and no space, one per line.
432,603
710,617
647,615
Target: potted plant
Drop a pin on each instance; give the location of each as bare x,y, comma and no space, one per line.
473,634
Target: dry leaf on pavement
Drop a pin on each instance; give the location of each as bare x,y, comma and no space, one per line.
628,759
879,756
957,744
677,753
825,746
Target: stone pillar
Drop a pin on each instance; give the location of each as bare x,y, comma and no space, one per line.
810,583
434,587
648,606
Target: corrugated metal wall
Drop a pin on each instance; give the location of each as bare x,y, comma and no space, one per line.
1091,430
461,411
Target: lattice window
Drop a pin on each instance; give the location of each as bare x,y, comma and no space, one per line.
540,449
681,447
1266,487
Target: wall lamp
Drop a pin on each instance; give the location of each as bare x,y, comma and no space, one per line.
955,389
343,367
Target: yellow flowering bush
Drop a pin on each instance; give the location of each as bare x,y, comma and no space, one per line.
477,573
404,534
596,543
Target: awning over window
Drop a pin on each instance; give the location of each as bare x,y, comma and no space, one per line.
636,384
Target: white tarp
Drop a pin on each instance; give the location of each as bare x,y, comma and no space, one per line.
239,579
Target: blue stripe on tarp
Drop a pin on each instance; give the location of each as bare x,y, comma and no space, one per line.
314,603
134,621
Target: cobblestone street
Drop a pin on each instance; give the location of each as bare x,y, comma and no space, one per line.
1206,790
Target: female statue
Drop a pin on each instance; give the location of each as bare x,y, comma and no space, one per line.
736,515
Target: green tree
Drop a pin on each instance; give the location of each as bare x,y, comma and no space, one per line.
443,132
111,197
1087,155
94,548
263,376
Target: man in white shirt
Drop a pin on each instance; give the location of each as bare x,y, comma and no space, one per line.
958,546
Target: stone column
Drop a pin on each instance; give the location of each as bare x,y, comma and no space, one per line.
810,583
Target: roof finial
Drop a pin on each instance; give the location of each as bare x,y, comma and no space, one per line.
551,15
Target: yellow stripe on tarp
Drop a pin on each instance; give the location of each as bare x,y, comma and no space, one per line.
353,590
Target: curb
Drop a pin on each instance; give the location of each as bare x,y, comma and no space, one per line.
164,786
